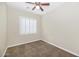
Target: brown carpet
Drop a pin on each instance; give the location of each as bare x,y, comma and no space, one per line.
36,49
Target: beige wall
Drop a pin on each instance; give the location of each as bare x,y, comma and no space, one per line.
14,38
3,29
61,27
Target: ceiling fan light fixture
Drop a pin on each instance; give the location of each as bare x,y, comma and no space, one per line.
37,7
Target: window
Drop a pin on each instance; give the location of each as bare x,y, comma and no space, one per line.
28,25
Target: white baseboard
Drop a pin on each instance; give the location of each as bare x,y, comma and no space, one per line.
23,43
4,52
61,48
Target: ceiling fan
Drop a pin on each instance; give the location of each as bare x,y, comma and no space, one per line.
38,5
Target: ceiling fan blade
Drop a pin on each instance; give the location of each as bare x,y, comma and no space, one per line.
45,4
33,7
30,2
41,9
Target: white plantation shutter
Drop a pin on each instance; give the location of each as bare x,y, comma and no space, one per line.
28,25
22,25
34,26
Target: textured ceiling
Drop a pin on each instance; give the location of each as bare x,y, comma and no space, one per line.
28,7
